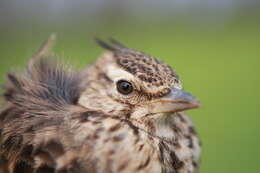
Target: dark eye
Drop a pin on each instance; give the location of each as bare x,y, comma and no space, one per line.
124,87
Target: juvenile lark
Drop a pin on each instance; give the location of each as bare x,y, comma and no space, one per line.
121,114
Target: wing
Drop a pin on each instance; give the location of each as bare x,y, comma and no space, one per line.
34,128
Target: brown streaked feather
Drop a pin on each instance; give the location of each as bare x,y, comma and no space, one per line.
38,99
36,123
49,87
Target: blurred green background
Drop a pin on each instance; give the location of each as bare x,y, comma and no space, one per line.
213,45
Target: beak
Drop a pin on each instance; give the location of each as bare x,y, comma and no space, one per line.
177,100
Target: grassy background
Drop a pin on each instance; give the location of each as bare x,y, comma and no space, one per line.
218,63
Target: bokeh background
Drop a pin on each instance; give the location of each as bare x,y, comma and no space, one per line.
214,45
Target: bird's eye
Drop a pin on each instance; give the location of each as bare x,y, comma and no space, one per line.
124,87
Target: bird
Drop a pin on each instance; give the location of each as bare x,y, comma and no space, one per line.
122,114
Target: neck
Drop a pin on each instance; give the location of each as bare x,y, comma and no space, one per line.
163,128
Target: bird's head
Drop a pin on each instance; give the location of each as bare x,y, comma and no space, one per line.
130,83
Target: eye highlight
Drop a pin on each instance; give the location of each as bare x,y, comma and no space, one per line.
124,87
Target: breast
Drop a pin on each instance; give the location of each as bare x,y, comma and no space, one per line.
115,145
179,144
122,147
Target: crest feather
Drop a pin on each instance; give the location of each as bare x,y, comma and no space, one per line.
111,45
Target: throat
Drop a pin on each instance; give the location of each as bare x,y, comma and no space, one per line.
165,128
